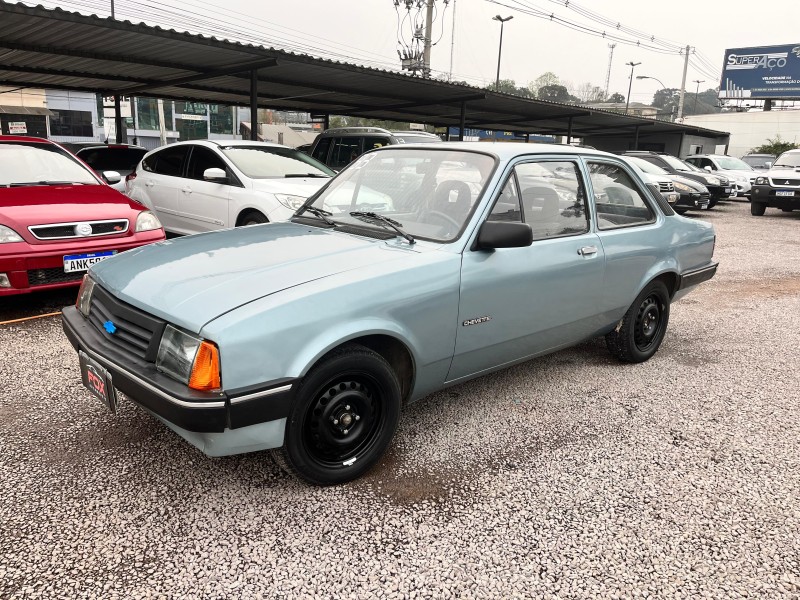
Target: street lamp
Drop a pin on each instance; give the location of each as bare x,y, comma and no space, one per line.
500,48
697,93
632,65
663,87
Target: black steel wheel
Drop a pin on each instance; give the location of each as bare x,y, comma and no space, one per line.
642,329
757,209
344,417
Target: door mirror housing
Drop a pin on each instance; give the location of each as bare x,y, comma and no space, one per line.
216,175
707,168
111,177
504,234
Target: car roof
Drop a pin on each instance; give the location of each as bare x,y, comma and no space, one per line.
225,143
112,147
24,138
502,150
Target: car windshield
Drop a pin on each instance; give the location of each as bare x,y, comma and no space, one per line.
677,163
759,161
123,160
729,163
430,193
265,162
646,166
31,163
788,159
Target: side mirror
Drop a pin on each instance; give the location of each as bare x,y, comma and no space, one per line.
504,234
707,168
111,177
216,175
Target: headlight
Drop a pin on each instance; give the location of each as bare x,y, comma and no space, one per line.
147,221
713,180
761,181
85,295
189,359
682,187
8,235
742,179
290,202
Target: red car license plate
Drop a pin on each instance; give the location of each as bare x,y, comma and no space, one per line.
98,381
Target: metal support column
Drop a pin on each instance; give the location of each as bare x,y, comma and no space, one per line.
118,119
636,138
569,130
462,121
326,123
254,104
527,138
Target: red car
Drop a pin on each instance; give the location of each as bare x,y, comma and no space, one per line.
57,218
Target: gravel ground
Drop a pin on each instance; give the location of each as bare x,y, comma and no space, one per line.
570,476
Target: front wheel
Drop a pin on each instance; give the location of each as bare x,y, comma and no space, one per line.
712,203
252,217
344,417
757,209
642,329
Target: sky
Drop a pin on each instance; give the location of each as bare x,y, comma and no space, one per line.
366,32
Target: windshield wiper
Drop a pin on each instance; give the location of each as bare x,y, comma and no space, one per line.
306,175
371,217
28,183
317,212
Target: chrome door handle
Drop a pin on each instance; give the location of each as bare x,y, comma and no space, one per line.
149,183
587,250
187,190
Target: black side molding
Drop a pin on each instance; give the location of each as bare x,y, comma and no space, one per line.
691,278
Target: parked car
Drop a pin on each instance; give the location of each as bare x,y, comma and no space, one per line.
309,336
121,158
306,148
207,185
759,162
683,195
57,217
739,172
340,146
719,187
779,187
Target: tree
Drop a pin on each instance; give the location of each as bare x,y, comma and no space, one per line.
541,81
616,97
554,93
588,93
774,146
509,86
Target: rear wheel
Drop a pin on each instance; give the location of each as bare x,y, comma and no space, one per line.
252,217
757,209
344,417
642,329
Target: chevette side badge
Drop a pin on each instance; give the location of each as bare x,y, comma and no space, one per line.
476,321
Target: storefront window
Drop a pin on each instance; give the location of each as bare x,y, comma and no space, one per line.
71,123
221,118
147,114
99,98
191,108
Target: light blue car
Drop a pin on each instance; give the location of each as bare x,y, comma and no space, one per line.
416,268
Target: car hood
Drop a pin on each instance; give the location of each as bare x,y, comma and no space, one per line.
21,207
782,174
293,186
692,183
730,173
192,280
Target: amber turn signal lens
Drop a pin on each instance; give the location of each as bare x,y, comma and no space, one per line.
205,370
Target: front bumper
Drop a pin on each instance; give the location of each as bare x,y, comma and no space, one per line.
693,200
219,423
37,267
766,194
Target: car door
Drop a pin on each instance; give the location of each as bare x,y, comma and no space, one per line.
626,223
519,302
160,183
204,205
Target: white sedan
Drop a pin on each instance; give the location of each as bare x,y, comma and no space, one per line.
206,185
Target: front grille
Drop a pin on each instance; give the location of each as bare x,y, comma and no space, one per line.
60,231
135,333
50,276
666,186
784,181
723,180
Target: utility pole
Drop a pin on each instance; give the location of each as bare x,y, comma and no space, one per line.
697,93
632,65
608,73
683,84
426,56
452,42
112,9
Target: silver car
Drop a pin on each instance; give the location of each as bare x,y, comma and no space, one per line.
416,268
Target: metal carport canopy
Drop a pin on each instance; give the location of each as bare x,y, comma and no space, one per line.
53,48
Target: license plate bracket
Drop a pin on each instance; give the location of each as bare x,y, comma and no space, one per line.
81,262
97,380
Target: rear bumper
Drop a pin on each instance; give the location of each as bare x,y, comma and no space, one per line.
696,276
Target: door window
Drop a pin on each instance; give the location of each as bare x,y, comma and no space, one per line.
619,202
321,150
344,151
201,159
507,207
553,198
373,141
170,161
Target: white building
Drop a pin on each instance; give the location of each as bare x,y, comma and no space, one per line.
750,129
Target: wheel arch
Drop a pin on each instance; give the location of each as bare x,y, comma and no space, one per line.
246,210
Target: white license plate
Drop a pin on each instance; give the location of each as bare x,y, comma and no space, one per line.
727,190
784,193
82,262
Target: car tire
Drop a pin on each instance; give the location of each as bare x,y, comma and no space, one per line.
712,203
787,209
757,209
252,217
639,334
344,417
680,211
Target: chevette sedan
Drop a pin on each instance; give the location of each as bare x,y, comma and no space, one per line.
415,268
57,217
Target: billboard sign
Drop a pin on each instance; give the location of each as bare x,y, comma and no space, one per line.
17,128
763,72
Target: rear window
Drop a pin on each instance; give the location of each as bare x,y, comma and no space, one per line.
29,163
112,159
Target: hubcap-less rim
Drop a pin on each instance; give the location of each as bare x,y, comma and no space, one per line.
343,420
649,323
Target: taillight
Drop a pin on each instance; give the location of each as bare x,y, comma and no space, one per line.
130,176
